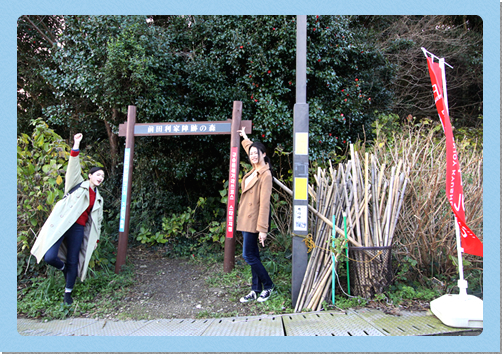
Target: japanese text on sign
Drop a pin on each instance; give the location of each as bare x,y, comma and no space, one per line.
180,129
232,188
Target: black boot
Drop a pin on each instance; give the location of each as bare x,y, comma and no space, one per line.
67,298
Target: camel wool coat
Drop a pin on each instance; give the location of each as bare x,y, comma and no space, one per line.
65,214
254,205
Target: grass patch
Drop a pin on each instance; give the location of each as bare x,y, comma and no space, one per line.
97,295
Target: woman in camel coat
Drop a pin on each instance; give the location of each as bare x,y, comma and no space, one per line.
253,217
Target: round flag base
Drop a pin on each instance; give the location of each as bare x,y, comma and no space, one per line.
465,311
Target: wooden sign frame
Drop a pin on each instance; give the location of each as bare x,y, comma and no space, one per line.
130,129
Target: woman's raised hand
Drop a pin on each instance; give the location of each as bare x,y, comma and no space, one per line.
242,132
77,138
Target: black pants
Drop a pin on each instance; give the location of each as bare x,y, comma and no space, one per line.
74,237
251,253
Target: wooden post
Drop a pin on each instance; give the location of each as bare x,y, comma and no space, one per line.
233,188
126,189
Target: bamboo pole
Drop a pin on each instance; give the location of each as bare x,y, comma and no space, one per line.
375,207
399,209
388,210
324,295
347,200
366,184
318,290
354,186
397,186
380,206
333,272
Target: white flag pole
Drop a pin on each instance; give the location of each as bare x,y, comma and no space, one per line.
460,310
462,283
427,53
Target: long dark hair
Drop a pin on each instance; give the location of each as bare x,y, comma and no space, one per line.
261,147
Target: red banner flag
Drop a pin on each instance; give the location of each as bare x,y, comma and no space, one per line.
454,191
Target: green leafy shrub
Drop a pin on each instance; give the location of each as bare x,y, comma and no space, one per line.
193,229
175,227
344,302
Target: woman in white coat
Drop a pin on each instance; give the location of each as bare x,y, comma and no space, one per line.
71,233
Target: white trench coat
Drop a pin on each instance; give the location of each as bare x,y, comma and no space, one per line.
65,214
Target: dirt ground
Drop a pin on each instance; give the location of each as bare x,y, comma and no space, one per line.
175,288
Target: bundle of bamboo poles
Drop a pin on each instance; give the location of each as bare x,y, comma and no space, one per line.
370,199
374,219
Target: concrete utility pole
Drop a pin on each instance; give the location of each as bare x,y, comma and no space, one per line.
300,160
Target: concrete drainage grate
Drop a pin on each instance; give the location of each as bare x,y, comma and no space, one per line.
174,327
26,327
246,326
362,322
408,324
327,324
110,328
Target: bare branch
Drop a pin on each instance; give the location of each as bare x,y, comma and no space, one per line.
39,30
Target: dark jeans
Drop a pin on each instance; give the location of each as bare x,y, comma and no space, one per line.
73,236
251,253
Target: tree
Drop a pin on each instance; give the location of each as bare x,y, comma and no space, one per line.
253,59
36,40
104,64
459,39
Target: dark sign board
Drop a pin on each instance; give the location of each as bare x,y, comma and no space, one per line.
180,128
